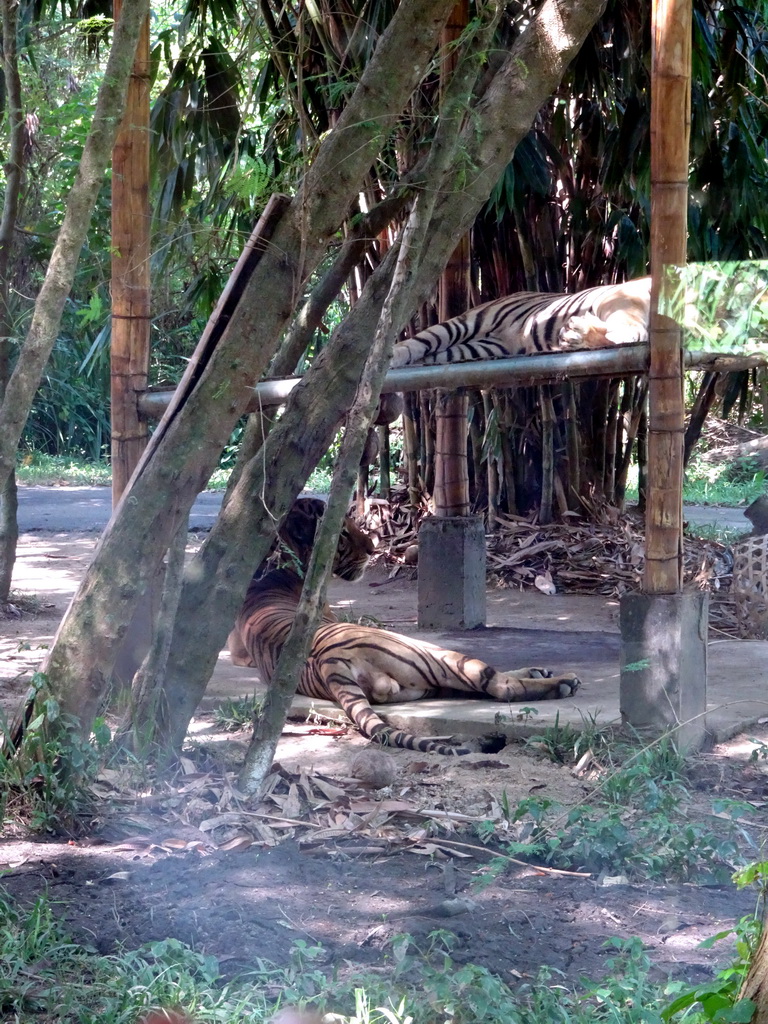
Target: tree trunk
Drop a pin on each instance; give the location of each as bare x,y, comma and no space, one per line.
755,985
9,535
705,399
310,609
411,448
384,489
63,262
9,527
547,455
138,731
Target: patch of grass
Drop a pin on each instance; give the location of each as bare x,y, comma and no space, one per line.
44,976
711,531
723,483
565,744
68,471
238,713
714,488
709,483
62,470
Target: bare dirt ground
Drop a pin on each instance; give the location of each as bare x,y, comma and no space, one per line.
325,861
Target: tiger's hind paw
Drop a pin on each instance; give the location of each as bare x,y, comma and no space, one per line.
568,684
530,673
533,684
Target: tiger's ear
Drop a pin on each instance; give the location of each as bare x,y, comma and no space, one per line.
299,526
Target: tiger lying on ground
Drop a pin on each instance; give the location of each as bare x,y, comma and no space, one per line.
530,322
355,666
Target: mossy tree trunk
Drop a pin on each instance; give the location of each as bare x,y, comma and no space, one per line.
9,527
755,985
309,612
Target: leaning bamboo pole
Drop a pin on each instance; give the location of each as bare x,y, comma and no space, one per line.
130,271
670,135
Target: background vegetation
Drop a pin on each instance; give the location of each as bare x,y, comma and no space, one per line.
238,101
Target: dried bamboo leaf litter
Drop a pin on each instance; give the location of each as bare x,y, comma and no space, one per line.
604,556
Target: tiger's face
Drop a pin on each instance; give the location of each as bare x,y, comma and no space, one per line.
298,533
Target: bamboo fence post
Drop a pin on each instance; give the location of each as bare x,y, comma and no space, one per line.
670,136
663,688
452,543
130,271
451,408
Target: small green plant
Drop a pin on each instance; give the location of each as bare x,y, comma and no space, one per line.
565,744
238,713
718,1001
636,824
44,781
760,753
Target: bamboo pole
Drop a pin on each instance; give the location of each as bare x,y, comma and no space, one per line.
451,470
670,135
130,271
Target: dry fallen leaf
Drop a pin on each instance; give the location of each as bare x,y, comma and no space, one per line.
238,843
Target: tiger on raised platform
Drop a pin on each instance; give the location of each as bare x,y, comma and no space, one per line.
530,322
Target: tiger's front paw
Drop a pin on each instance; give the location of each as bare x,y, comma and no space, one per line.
587,331
401,356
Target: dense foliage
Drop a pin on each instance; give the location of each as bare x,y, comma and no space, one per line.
239,102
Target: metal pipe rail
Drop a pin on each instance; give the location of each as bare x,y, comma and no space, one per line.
538,369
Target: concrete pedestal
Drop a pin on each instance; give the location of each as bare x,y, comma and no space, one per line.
451,573
664,666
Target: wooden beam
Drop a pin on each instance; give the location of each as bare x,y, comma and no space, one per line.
130,271
670,136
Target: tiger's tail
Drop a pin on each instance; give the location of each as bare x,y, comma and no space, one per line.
357,708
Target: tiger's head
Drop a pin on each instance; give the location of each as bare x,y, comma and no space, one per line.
298,533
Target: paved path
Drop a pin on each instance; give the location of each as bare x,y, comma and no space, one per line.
87,509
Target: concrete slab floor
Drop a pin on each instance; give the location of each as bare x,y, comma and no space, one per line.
576,633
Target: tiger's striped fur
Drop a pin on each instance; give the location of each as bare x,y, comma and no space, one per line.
356,666
531,322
